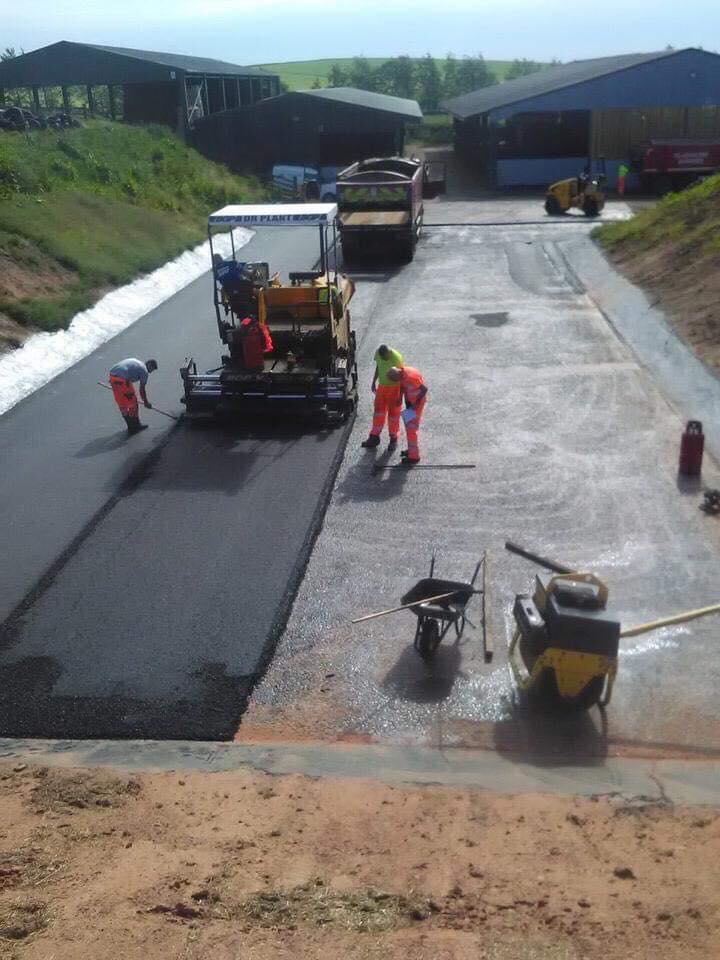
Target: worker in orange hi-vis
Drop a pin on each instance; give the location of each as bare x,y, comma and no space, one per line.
388,401
414,391
123,377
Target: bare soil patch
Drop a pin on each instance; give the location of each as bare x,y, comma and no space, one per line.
102,865
37,277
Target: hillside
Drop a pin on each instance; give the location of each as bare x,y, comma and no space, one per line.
301,74
85,210
673,250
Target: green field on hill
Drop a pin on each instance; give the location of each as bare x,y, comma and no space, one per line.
301,74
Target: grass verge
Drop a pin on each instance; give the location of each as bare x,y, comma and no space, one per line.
85,210
672,249
687,222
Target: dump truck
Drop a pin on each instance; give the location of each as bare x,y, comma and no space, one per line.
290,345
381,205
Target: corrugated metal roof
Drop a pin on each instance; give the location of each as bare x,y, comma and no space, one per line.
546,81
180,62
364,98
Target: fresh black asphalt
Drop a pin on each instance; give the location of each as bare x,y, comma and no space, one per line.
145,580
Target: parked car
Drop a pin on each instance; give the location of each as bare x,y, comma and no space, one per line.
306,181
19,119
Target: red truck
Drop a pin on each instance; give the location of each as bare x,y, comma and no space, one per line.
380,203
665,165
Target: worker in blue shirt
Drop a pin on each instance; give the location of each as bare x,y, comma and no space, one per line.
123,376
228,273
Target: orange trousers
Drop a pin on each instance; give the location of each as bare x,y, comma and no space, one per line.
388,402
411,429
125,396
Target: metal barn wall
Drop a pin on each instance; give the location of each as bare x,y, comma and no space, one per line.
296,129
543,171
615,132
151,103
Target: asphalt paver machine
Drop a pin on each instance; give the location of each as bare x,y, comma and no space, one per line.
308,363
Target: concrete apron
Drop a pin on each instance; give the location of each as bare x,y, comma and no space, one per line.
692,386
639,781
575,449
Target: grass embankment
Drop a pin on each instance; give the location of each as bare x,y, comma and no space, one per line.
85,210
301,74
673,249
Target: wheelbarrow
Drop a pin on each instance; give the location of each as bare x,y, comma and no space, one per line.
440,605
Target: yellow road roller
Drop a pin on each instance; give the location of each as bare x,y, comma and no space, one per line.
584,192
564,649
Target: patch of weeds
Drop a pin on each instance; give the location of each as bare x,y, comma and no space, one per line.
69,149
63,169
64,790
315,904
28,867
20,920
522,950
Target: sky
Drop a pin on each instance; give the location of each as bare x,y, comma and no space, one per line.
270,31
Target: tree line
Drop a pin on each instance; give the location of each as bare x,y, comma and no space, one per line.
425,80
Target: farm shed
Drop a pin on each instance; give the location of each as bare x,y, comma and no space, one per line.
542,127
136,85
335,125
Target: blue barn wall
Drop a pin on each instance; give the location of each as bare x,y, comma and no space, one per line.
690,78
545,170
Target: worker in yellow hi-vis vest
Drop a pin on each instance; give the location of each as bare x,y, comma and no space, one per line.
388,401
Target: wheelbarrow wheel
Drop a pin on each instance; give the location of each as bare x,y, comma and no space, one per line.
429,639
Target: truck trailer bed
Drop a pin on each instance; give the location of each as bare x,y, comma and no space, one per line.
375,218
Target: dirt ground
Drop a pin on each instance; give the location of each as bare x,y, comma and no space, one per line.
689,295
101,865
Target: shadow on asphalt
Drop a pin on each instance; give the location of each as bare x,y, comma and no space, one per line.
412,679
101,445
689,486
563,739
373,269
226,455
365,483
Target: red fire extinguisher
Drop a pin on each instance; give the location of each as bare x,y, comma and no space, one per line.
692,444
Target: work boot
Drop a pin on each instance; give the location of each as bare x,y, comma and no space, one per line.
134,426
371,442
404,454
393,443
407,462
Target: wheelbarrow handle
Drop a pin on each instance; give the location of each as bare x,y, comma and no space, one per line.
415,603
